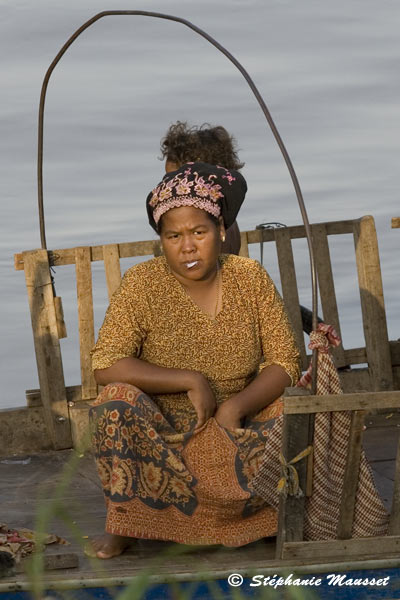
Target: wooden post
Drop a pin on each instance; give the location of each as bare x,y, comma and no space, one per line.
327,287
112,268
373,305
244,246
291,509
350,483
47,347
289,287
395,222
86,319
394,525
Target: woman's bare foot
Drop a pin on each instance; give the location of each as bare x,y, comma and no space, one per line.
107,546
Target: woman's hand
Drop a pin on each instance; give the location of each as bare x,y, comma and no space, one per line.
201,396
227,416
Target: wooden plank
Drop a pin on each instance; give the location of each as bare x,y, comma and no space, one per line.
85,319
327,287
24,431
157,248
47,347
34,399
372,304
354,380
394,524
61,328
66,256
291,509
244,248
112,268
289,287
341,548
355,356
395,222
395,352
298,231
335,402
350,483
53,561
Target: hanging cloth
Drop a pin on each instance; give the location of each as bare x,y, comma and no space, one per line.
331,435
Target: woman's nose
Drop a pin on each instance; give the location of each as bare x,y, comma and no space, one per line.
188,244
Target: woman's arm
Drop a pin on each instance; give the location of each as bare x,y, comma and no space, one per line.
264,389
280,367
153,379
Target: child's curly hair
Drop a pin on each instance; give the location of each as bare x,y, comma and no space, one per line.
208,144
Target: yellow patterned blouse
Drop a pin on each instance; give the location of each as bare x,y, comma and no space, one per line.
152,318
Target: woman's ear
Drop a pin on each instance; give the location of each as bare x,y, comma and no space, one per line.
222,231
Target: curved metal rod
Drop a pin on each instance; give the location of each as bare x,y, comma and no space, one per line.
255,91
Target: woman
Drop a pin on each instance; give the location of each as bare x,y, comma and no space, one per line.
178,439
213,145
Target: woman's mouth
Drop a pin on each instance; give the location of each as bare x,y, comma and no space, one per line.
190,265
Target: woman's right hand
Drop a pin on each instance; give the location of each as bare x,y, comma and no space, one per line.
202,397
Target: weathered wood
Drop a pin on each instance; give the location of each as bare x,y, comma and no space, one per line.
395,352
85,319
80,426
289,287
350,483
327,287
335,402
54,561
372,304
244,247
47,347
327,549
66,256
23,431
354,380
394,524
157,248
61,328
112,268
291,509
298,231
395,222
34,398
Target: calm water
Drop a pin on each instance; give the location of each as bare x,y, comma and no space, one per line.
328,71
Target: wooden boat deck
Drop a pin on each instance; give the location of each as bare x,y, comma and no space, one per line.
22,478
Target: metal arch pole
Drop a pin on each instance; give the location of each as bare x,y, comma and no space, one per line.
259,100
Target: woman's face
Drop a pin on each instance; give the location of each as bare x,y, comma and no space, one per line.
191,243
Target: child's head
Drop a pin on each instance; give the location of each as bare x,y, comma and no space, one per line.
212,145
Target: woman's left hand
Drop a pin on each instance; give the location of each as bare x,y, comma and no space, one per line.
227,417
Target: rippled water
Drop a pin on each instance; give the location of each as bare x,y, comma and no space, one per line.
329,73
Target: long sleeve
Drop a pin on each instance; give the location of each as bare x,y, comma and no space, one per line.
277,337
124,326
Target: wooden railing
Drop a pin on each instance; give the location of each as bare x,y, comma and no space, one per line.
298,406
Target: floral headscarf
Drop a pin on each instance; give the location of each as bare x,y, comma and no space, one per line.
216,190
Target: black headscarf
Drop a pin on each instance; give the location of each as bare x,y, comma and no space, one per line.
217,190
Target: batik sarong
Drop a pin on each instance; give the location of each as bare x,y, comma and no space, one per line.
162,481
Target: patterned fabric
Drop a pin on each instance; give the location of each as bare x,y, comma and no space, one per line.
152,318
163,483
21,542
207,187
328,381
331,435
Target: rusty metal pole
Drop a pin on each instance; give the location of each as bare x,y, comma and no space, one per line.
260,101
